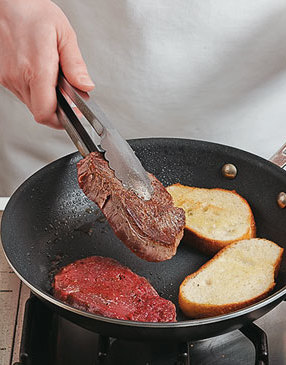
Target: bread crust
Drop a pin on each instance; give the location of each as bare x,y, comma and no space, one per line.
211,246
201,310
198,310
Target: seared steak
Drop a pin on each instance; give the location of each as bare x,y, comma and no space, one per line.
151,229
103,286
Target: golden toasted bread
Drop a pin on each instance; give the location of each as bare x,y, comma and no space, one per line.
239,275
215,218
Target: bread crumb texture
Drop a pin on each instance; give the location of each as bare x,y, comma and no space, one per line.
217,214
240,274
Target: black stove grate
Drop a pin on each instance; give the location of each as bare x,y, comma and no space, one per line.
48,339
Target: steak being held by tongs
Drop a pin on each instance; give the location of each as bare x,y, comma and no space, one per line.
135,203
152,229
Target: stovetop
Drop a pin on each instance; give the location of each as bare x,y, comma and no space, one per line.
49,339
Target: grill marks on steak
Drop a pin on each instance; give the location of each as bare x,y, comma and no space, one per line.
151,229
103,286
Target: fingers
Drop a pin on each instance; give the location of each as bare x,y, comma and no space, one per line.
42,80
72,63
34,38
38,95
43,102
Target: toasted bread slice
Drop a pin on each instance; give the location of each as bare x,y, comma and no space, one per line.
239,275
215,218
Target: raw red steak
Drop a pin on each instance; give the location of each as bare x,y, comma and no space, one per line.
151,229
103,286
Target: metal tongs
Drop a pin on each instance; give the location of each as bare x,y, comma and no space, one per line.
77,109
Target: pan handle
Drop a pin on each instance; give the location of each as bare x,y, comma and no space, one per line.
279,158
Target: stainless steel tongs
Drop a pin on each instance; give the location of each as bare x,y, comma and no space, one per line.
75,108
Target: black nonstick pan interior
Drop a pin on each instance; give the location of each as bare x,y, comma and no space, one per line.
49,222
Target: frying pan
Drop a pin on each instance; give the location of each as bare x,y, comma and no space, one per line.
49,223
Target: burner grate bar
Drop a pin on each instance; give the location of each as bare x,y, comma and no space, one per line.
259,339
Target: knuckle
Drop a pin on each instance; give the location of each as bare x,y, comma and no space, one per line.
40,117
22,65
17,73
42,74
28,74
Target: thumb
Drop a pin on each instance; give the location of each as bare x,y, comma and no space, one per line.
72,63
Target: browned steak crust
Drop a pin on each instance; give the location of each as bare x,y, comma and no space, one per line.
151,229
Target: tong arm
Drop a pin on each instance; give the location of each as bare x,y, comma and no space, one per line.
73,126
86,104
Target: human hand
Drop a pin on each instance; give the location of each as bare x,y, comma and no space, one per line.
35,37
